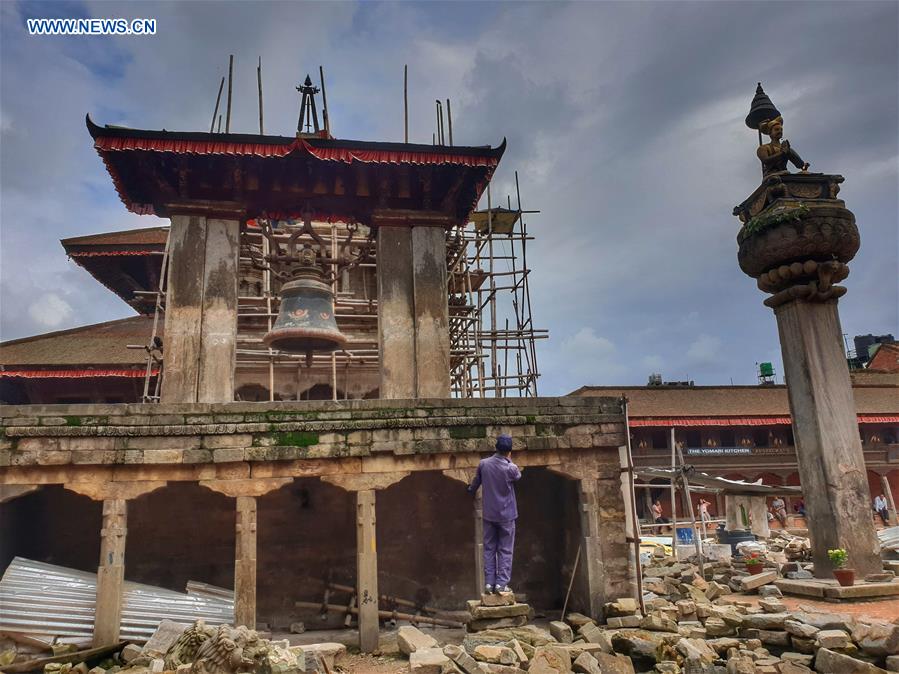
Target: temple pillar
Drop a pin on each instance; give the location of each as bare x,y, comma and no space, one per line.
413,312
828,448
111,572
396,313
245,563
432,344
591,568
245,491
365,485
200,338
466,475
367,570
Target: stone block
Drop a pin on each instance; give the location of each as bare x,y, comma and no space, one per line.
328,651
772,605
224,441
130,652
798,658
765,621
832,639
752,582
863,591
518,649
892,663
800,629
497,623
479,612
577,619
550,660
501,599
428,661
802,645
227,455
877,637
624,621
500,655
831,662
621,607
561,632
769,591
410,639
462,659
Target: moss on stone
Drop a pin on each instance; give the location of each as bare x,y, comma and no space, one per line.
295,438
767,220
72,420
467,432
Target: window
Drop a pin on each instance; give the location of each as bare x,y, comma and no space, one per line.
728,439
694,439
760,437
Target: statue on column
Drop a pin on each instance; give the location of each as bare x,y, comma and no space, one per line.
796,240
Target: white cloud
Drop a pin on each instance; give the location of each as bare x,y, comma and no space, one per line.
705,351
50,310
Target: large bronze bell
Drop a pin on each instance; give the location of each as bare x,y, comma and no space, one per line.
305,322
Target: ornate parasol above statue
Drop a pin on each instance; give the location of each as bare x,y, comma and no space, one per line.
765,118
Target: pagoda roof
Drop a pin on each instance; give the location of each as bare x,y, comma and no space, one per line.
281,176
125,262
89,350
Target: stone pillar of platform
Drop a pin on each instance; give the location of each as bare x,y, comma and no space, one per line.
796,241
111,572
200,338
413,313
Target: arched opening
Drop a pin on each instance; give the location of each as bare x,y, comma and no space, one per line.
252,393
321,392
426,540
178,533
52,525
548,533
306,534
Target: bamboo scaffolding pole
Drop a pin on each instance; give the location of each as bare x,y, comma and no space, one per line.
230,78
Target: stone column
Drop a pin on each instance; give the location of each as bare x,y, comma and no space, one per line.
432,344
825,427
413,313
111,572
365,484
245,491
888,493
796,241
367,570
245,563
199,343
466,475
396,313
591,567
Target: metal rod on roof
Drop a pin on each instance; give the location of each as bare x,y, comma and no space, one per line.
440,123
325,121
218,100
230,79
220,124
259,82
449,118
406,101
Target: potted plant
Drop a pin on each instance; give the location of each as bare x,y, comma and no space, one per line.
839,557
754,564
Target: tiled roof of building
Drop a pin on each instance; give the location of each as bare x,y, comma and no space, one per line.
737,401
131,237
90,345
886,359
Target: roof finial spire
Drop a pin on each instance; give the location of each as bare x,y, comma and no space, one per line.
308,114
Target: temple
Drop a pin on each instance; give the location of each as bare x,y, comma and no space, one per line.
178,445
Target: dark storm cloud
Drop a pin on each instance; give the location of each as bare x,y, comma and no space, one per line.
624,120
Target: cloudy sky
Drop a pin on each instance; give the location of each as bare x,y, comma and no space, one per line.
624,120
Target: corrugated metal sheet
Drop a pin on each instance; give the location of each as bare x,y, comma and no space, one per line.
47,600
889,538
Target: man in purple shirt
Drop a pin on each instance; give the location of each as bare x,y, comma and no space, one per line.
497,474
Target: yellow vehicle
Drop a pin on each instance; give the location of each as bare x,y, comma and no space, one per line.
649,544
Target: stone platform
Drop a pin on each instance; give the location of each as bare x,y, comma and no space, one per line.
830,590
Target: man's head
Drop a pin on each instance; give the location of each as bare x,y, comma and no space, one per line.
504,445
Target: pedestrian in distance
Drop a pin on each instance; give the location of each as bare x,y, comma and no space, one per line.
881,508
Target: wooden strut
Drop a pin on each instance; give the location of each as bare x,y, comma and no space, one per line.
577,558
385,598
387,615
406,101
78,656
635,524
230,78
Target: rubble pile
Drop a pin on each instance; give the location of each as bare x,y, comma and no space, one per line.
701,632
201,649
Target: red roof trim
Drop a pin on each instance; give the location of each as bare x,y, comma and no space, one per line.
107,253
175,146
73,374
682,422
